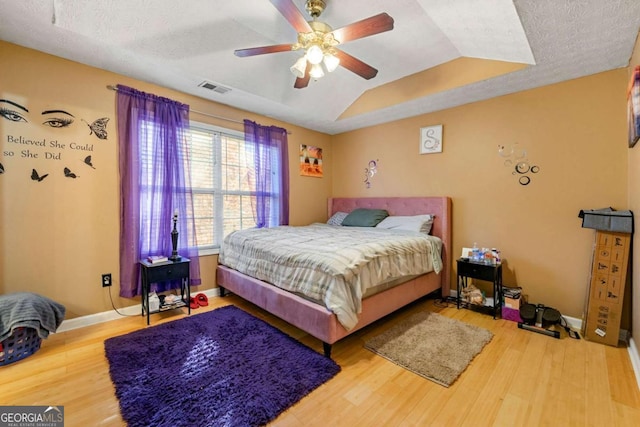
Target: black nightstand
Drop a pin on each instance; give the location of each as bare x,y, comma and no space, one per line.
162,272
489,272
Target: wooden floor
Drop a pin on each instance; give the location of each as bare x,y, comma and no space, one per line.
519,379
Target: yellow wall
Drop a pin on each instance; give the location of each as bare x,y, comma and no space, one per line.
634,205
574,131
58,236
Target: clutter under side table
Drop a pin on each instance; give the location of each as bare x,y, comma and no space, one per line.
163,272
489,272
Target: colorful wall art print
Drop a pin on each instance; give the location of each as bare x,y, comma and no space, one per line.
310,161
633,107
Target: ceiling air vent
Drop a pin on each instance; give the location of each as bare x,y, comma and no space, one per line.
214,87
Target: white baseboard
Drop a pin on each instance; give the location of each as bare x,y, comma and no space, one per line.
105,316
635,359
574,323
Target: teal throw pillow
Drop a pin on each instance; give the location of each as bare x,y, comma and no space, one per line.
365,217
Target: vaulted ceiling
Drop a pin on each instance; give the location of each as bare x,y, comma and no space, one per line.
440,53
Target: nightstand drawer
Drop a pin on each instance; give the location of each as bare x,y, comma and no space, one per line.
161,273
477,271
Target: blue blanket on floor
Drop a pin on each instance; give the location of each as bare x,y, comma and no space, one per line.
29,310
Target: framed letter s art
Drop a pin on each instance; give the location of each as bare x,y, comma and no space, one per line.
431,139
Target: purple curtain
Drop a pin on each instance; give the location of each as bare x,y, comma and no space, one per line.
154,184
271,164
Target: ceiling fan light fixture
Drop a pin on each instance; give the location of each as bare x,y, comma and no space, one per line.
315,54
319,41
331,62
316,71
299,67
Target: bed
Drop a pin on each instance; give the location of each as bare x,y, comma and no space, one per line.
320,322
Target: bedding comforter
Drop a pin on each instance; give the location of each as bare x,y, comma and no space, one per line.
328,264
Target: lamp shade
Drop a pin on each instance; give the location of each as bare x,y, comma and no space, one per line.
299,67
316,71
315,54
331,62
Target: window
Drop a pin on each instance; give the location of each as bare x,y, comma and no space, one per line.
222,182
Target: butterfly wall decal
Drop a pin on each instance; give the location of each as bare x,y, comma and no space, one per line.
36,177
69,174
87,160
99,127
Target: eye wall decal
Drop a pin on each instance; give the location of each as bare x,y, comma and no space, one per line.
60,136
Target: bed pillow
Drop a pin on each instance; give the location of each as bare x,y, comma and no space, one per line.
337,218
365,217
419,223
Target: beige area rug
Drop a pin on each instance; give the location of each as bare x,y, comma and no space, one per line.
431,345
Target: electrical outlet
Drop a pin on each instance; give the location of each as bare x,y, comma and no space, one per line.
106,280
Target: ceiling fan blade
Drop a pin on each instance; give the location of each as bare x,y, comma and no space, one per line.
293,15
365,28
355,65
262,50
302,82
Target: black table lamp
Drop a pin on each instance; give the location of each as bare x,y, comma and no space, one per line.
174,239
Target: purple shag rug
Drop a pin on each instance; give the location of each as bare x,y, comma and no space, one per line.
220,368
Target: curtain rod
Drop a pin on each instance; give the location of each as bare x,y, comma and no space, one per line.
111,87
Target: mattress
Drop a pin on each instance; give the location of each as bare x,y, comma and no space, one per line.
335,266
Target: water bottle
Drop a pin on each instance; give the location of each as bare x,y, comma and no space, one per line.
475,252
484,256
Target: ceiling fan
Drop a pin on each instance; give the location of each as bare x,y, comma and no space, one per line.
318,40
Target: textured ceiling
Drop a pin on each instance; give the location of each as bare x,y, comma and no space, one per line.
178,45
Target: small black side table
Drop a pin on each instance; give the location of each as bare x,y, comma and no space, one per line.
488,272
162,272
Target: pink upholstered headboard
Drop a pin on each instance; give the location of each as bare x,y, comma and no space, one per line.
438,206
